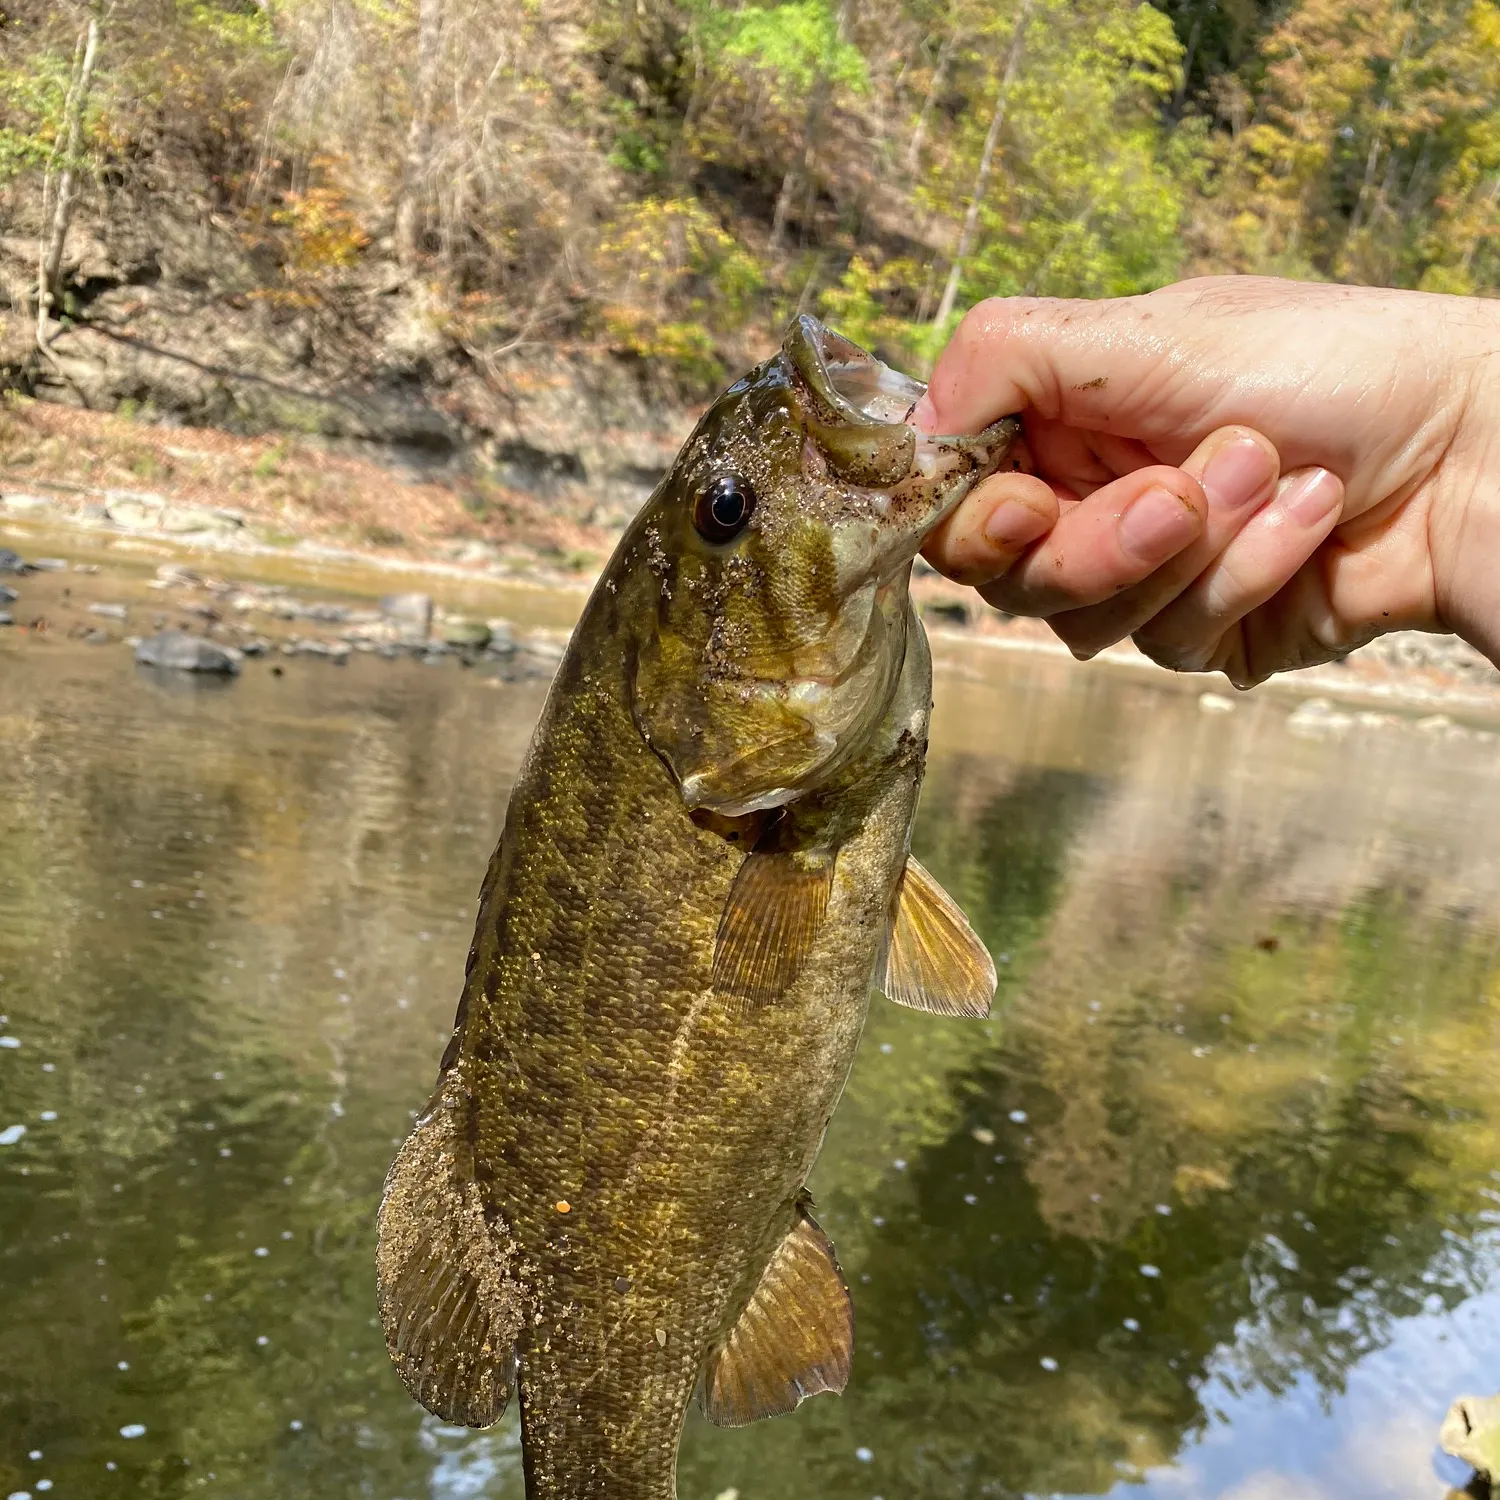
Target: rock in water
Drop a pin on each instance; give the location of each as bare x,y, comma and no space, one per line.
411,614
132,511
458,632
10,562
190,518
181,652
1471,1431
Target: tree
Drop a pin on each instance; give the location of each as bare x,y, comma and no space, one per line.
65,160
416,161
986,160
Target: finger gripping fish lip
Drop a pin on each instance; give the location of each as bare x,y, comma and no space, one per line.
859,410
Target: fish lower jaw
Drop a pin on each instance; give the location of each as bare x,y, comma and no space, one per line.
697,792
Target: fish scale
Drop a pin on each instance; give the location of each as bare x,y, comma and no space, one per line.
704,859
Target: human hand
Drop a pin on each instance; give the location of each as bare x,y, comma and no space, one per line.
1248,475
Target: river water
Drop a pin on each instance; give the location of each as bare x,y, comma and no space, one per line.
1211,1207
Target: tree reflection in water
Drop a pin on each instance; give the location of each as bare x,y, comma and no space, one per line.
1234,1119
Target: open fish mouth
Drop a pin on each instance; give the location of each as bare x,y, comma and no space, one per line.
859,414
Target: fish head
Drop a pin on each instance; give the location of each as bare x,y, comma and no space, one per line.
776,555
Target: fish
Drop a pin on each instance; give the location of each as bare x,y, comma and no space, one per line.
704,873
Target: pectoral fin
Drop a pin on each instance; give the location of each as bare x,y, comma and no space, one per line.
450,1309
794,1338
775,908
935,961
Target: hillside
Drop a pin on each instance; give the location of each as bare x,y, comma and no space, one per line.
508,245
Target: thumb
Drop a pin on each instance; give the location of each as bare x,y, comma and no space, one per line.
1116,365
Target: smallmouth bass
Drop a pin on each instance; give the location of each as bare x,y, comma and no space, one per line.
703,872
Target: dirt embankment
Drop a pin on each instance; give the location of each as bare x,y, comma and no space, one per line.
357,409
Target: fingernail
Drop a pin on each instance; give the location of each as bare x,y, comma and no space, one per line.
1309,497
1012,524
923,415
1157,524
1241,471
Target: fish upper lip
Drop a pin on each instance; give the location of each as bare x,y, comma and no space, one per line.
816,339
808,346
809,343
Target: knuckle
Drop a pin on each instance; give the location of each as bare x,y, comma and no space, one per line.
982,322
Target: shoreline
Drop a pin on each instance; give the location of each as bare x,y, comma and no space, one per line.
116,525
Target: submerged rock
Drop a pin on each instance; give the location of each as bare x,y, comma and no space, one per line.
10,562
181,652
1471,1431
459,632
109,611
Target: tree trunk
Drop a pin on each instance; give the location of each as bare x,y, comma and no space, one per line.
1195,35
414,166
55,235
982,177
817,101
934,88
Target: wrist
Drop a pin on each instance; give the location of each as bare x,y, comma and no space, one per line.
1464,520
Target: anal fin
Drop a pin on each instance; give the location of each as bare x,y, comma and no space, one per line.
794,1338
450,1308
935,960
770,922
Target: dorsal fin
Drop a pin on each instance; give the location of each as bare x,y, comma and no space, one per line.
935,960
450,1307
769,925
794,1338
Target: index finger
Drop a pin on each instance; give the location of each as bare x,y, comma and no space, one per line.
1100,365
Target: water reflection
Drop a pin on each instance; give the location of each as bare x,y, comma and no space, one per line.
1225,1164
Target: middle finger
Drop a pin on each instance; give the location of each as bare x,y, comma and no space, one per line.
1121,534
1238,469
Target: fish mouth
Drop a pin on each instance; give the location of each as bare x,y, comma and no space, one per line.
859,414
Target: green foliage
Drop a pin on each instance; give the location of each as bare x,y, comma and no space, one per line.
1085,203
618,172
242,27
798,42
675,277
31,111
876,308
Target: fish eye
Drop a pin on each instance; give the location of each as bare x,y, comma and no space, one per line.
725,505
